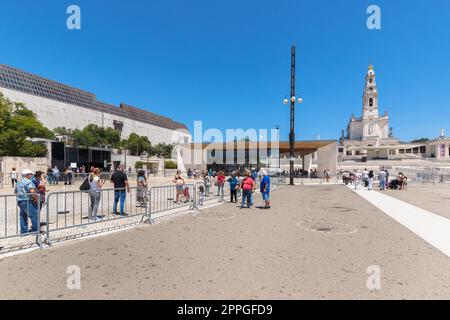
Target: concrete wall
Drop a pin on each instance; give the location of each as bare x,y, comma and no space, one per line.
327,159
20,163
55,114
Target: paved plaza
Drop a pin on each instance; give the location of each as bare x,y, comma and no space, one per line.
316,242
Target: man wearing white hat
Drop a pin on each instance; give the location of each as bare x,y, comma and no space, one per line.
27,201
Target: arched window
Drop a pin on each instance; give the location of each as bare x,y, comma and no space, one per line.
371,102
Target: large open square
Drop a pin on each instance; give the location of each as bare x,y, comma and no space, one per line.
317,242
224,159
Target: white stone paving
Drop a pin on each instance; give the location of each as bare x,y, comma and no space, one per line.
429,226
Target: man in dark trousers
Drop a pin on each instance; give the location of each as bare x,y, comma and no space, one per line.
121,187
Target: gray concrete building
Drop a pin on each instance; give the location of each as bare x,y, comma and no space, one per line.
59,105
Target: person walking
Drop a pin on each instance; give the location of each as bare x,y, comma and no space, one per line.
121,188
28,202
265,189
382,179
14,175
370,177
95,194
233,186
365,178
248,185
142,189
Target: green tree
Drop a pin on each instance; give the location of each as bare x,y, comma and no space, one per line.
163,150
169,164
93,136
137,144
17,126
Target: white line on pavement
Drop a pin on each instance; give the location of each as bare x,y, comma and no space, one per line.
431,227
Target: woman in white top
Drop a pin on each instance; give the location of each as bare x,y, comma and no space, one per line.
95,194
14,174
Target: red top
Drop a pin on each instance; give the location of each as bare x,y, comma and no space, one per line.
247,184
221,180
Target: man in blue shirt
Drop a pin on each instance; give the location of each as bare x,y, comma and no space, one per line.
265,188
27,201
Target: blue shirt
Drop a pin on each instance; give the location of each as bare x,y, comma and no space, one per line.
265,181
23,189
233,183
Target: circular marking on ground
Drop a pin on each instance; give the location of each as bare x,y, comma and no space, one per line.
215,216
327,227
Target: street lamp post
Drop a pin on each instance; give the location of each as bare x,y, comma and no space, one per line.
292,122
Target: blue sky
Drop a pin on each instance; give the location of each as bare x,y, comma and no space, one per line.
228,62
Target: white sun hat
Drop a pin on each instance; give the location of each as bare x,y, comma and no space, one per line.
27,172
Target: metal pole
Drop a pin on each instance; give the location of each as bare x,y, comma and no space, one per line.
292,131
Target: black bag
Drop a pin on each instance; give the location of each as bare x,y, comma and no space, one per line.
85,186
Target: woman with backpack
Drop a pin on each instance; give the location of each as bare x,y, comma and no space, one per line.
95,194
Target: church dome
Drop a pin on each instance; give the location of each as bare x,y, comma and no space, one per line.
371,70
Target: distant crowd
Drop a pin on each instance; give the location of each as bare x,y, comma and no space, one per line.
366,178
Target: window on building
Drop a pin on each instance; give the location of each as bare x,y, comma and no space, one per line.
371,102
118,125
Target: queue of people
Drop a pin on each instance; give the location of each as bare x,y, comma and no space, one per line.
31,190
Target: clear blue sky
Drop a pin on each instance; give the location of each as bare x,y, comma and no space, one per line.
227,62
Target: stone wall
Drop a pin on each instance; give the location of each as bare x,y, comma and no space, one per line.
20,163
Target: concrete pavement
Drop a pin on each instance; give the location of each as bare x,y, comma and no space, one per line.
315,242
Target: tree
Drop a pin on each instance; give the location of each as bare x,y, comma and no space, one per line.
163,150
137,144
169,164
92,136
17,126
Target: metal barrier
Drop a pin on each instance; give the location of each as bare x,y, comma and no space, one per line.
87,210
15,218
165,198
74,214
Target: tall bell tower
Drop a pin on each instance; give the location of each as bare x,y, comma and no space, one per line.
370,96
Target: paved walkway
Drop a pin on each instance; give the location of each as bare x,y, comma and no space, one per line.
315,242
431,227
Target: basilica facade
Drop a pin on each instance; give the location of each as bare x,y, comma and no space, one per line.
369,137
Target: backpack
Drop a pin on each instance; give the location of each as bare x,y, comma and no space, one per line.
85,186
